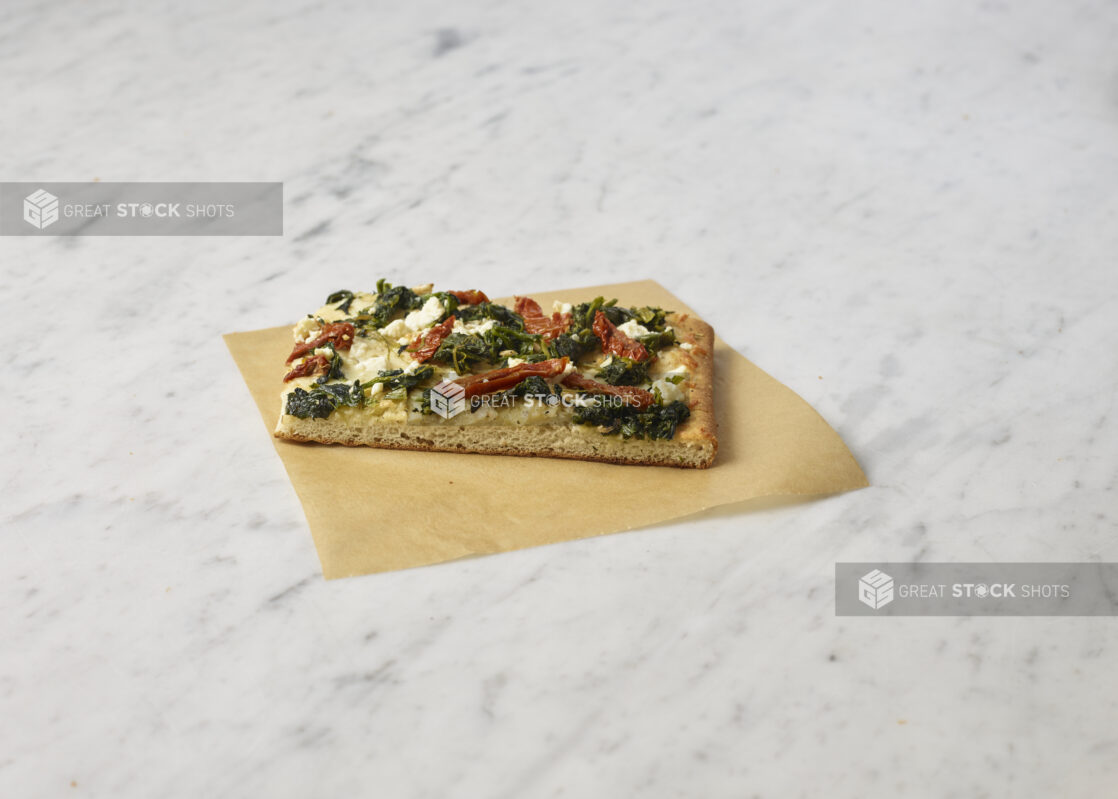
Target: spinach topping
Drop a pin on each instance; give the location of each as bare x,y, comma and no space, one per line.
461,351
655,421
489,310
654,319
390,301
581,340
397,381
624,372
657,341
449,301
323,400
582,316
534,386
572,346
501,338
334,372
344,297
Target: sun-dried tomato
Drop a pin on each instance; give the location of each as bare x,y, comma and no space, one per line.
426,345
536,322
340,334
471,297
310,366
615,341
636,397
501,379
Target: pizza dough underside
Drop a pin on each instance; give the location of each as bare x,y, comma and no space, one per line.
545,440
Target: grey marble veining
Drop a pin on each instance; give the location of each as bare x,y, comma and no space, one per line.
908,215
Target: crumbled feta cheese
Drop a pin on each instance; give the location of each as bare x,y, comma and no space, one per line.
606,362
515,361
473,328
324,351
570,367
633,329
670,391
305,328
686,345
425,316
560,307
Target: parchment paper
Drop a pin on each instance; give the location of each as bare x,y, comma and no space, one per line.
374,510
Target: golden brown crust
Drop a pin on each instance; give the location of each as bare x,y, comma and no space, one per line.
702,425
423,446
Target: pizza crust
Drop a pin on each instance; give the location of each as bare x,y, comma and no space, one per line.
694,445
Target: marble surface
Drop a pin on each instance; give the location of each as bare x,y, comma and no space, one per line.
907,214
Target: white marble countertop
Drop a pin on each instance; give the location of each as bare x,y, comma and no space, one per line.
911,218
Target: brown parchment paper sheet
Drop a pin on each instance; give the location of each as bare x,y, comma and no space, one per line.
374,510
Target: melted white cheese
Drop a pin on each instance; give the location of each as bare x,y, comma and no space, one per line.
365,369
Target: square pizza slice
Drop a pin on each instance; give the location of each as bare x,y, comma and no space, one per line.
414,368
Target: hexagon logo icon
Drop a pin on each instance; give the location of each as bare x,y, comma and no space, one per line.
875,589
40,209
448,399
